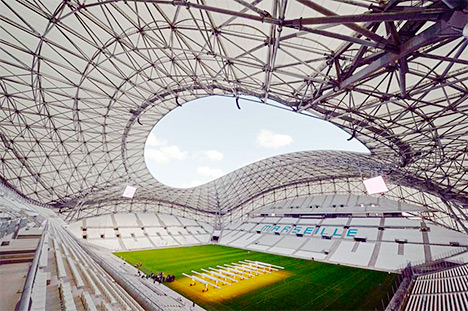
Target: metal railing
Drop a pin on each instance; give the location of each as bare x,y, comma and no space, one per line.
25,300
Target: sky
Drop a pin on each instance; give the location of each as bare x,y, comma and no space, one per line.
210,137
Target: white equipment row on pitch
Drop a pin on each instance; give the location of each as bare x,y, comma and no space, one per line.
242,269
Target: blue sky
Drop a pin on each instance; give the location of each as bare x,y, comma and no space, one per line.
209,137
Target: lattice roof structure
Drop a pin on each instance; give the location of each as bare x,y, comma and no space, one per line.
83,82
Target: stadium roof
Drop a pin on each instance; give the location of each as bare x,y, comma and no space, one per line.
83,82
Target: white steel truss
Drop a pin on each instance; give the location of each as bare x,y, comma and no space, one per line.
83,82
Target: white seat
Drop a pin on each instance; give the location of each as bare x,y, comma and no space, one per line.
39,292
76,275
87,301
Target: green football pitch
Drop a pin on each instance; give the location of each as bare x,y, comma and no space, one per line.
309,285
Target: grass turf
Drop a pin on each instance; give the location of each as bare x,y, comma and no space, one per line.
311,285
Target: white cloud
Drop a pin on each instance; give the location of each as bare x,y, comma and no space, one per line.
165,154
268,139
156,155
207,171
213,155
152,141
174,152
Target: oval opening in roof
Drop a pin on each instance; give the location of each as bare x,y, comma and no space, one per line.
209,137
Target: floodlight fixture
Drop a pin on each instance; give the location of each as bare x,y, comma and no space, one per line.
129,192
375,185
